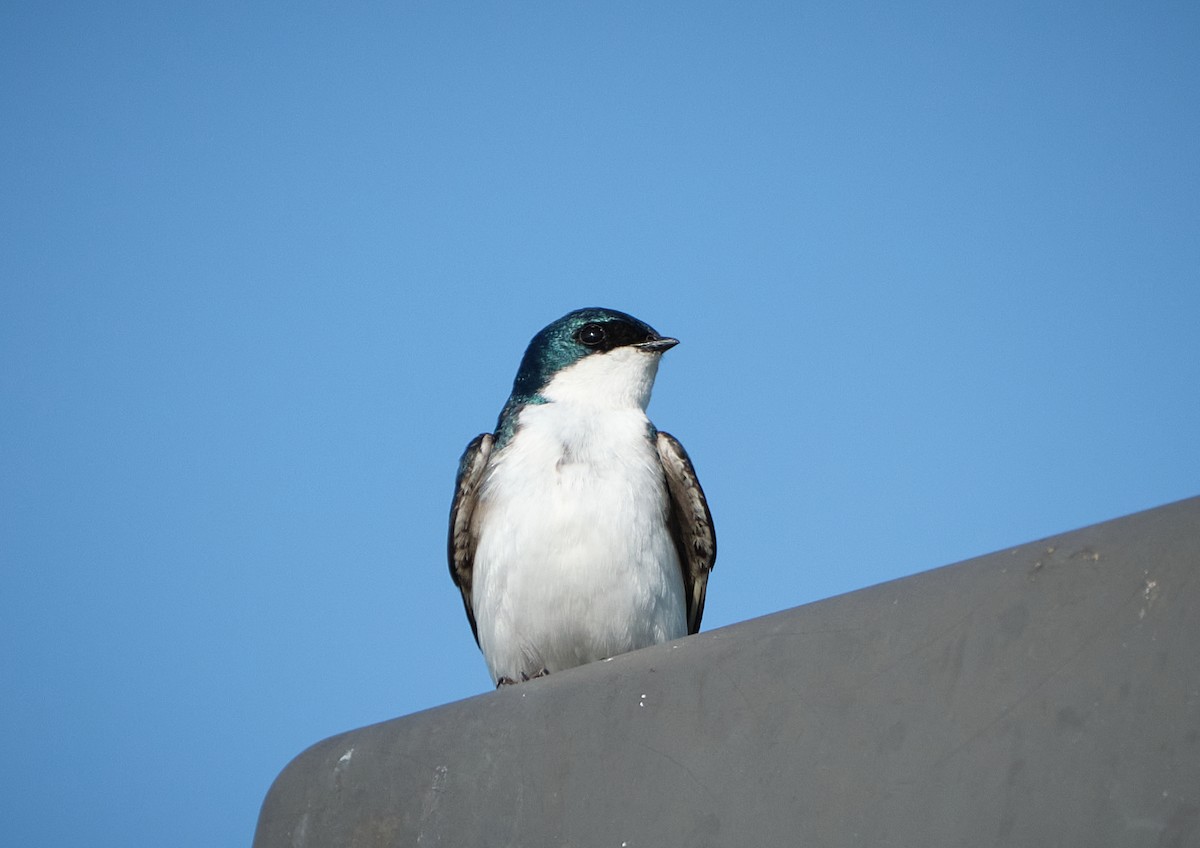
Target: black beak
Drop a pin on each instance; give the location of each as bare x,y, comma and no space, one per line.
657,345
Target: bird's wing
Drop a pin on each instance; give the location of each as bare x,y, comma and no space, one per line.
691,525
460,547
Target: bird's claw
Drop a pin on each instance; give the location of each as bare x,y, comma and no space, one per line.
508,681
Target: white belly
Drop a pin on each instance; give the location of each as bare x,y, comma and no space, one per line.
574,562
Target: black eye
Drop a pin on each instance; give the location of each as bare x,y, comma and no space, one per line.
591,335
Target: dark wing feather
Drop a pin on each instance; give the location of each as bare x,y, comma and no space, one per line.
691,525
460,547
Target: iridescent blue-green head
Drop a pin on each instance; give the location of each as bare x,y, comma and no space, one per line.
598,356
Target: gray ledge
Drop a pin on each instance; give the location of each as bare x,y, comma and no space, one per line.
1043,695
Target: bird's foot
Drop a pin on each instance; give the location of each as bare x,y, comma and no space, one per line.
508,681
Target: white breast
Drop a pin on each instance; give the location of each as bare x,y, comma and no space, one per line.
575,562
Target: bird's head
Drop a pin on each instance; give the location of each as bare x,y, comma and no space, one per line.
594,356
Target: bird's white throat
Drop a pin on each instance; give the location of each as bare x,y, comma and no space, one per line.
618,379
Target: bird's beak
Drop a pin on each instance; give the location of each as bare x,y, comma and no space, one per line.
657,345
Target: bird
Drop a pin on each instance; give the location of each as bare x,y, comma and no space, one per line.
578,531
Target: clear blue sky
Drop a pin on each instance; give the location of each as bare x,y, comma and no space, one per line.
266,269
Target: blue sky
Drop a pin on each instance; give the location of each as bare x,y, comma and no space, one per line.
266,271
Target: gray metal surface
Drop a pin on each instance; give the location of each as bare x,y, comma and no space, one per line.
1044,695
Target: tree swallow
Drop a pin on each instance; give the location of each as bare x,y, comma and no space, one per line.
578,530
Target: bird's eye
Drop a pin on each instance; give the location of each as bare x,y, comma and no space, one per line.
591,334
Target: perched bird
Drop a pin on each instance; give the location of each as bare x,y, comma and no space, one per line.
578,530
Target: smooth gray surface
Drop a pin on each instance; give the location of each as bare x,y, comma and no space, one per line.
1044,695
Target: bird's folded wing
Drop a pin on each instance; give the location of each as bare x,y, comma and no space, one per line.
462,541
691,525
